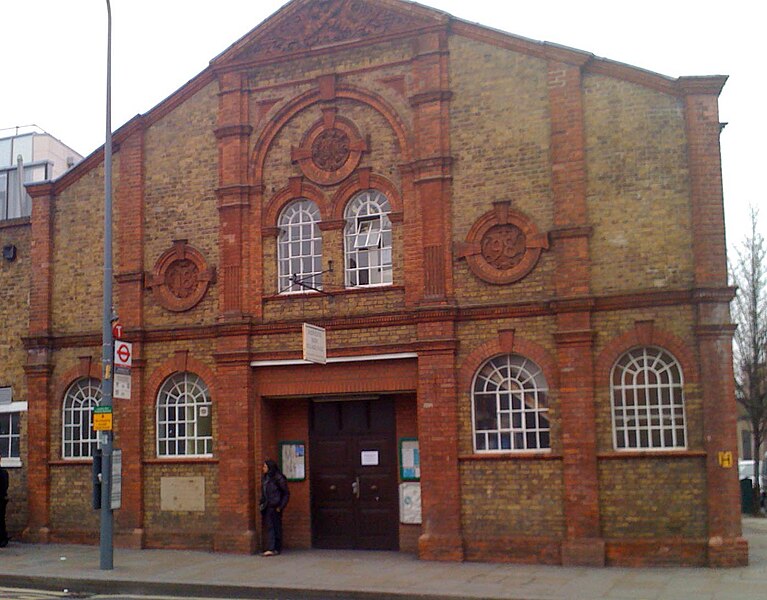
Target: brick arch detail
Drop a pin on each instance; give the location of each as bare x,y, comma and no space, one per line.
362,180
315,96
292,192
499,346
85,368
179,363
645,336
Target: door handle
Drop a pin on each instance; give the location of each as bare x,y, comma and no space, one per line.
356,487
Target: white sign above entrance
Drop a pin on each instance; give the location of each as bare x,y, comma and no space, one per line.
315,349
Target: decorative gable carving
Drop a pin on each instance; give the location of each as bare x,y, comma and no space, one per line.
312,24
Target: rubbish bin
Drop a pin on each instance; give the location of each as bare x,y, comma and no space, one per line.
746,496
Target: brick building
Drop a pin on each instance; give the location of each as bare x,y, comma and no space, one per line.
517,253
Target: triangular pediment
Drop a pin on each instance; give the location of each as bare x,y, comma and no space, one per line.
307,25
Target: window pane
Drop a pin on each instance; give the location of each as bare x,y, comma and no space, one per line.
516,420
5,152
184,422
78,437
650,380
22,145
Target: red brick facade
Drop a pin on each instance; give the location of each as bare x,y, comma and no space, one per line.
544,204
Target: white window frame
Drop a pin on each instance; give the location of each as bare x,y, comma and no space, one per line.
12,408
519,390
79,401
368,240
647,401
299,248
176,433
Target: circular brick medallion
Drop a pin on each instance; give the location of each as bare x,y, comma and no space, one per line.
181,277
503,245
330,149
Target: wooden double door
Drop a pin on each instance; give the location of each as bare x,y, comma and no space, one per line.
353,461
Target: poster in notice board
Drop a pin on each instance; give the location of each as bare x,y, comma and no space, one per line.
293,460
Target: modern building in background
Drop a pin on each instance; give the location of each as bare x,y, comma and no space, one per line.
516,252
28,155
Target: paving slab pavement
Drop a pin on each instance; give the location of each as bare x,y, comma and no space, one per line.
330,574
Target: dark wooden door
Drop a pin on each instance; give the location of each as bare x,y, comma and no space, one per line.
353,462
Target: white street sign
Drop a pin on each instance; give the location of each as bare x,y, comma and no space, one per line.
314,344
123,354
121,386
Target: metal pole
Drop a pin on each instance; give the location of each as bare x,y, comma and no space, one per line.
106,546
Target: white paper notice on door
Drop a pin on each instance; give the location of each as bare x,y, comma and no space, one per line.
369,458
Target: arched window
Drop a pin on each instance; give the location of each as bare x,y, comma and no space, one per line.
78,440
510,406
368,240
299,248
647,401
184,419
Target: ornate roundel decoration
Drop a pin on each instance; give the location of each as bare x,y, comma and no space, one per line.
181,277
503,245
330,150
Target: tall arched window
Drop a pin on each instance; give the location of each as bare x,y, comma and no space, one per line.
368,240
78,440
510,406
646,387
184,419
299,248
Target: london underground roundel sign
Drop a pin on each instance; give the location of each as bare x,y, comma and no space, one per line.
123,354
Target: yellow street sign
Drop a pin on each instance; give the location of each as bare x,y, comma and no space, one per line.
102,421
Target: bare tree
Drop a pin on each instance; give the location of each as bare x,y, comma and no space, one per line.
749,274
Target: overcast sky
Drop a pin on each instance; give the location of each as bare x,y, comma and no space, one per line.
54,60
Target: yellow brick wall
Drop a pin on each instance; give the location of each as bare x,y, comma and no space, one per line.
500,133
181,175
638,188
78,253
653,498
511,498
14,300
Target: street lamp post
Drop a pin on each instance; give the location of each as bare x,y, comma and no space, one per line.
106,553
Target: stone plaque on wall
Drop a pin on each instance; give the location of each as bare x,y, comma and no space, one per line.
182,493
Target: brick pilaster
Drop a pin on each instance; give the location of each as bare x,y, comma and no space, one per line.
39,364
129,303
235,531
726,546
570,243
703,154
441,537
38,372
431,169
233,134
41,278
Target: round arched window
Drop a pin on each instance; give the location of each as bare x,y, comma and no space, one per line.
184,419
510,405
368,240
299,248
78,440
646,387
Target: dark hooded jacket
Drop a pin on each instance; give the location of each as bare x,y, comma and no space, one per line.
274,487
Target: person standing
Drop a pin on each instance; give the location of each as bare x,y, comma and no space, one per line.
274,499
3,504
